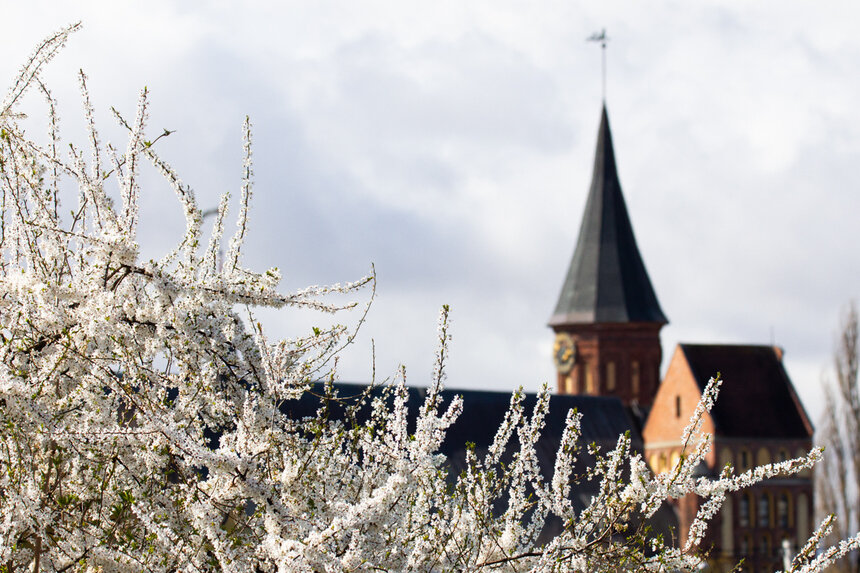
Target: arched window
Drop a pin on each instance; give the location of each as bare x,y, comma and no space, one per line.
762,457
744,511
674,460
783,511
764,510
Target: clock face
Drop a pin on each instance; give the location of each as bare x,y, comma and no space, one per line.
564,352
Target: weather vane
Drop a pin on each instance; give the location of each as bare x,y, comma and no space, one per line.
602,38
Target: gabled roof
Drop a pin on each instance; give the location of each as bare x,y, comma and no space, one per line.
607,280
757,398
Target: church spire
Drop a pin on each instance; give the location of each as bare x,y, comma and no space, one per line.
607,281
607,320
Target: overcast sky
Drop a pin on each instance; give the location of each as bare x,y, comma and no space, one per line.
451,144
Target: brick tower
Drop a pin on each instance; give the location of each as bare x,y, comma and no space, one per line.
607,320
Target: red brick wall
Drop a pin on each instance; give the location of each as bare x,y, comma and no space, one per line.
758,542
666,421
622,344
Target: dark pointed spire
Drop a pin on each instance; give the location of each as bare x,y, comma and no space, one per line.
607,280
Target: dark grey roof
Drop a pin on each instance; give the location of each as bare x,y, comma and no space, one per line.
607,280
757,398
604,420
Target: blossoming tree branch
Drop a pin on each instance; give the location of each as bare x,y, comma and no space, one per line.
142,425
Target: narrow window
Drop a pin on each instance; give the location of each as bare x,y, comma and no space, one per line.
589,381
610,376
745,546
782,511
677,406
745,459
744,512
764,510
634,378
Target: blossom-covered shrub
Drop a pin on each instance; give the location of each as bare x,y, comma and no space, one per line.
142,425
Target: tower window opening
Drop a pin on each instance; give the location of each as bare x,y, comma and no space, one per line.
610,376
677,406
634,378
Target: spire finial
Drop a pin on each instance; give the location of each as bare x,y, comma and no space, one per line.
602,38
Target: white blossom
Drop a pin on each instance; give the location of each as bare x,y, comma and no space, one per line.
142,425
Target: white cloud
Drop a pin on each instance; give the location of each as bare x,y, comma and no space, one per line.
452,144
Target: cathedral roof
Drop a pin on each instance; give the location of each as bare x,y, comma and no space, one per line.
757,397
607,280
604,420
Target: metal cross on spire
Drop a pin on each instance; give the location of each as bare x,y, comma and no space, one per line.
602,38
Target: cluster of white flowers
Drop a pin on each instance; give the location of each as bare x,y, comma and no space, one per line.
142,418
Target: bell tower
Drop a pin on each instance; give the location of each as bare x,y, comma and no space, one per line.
607,320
